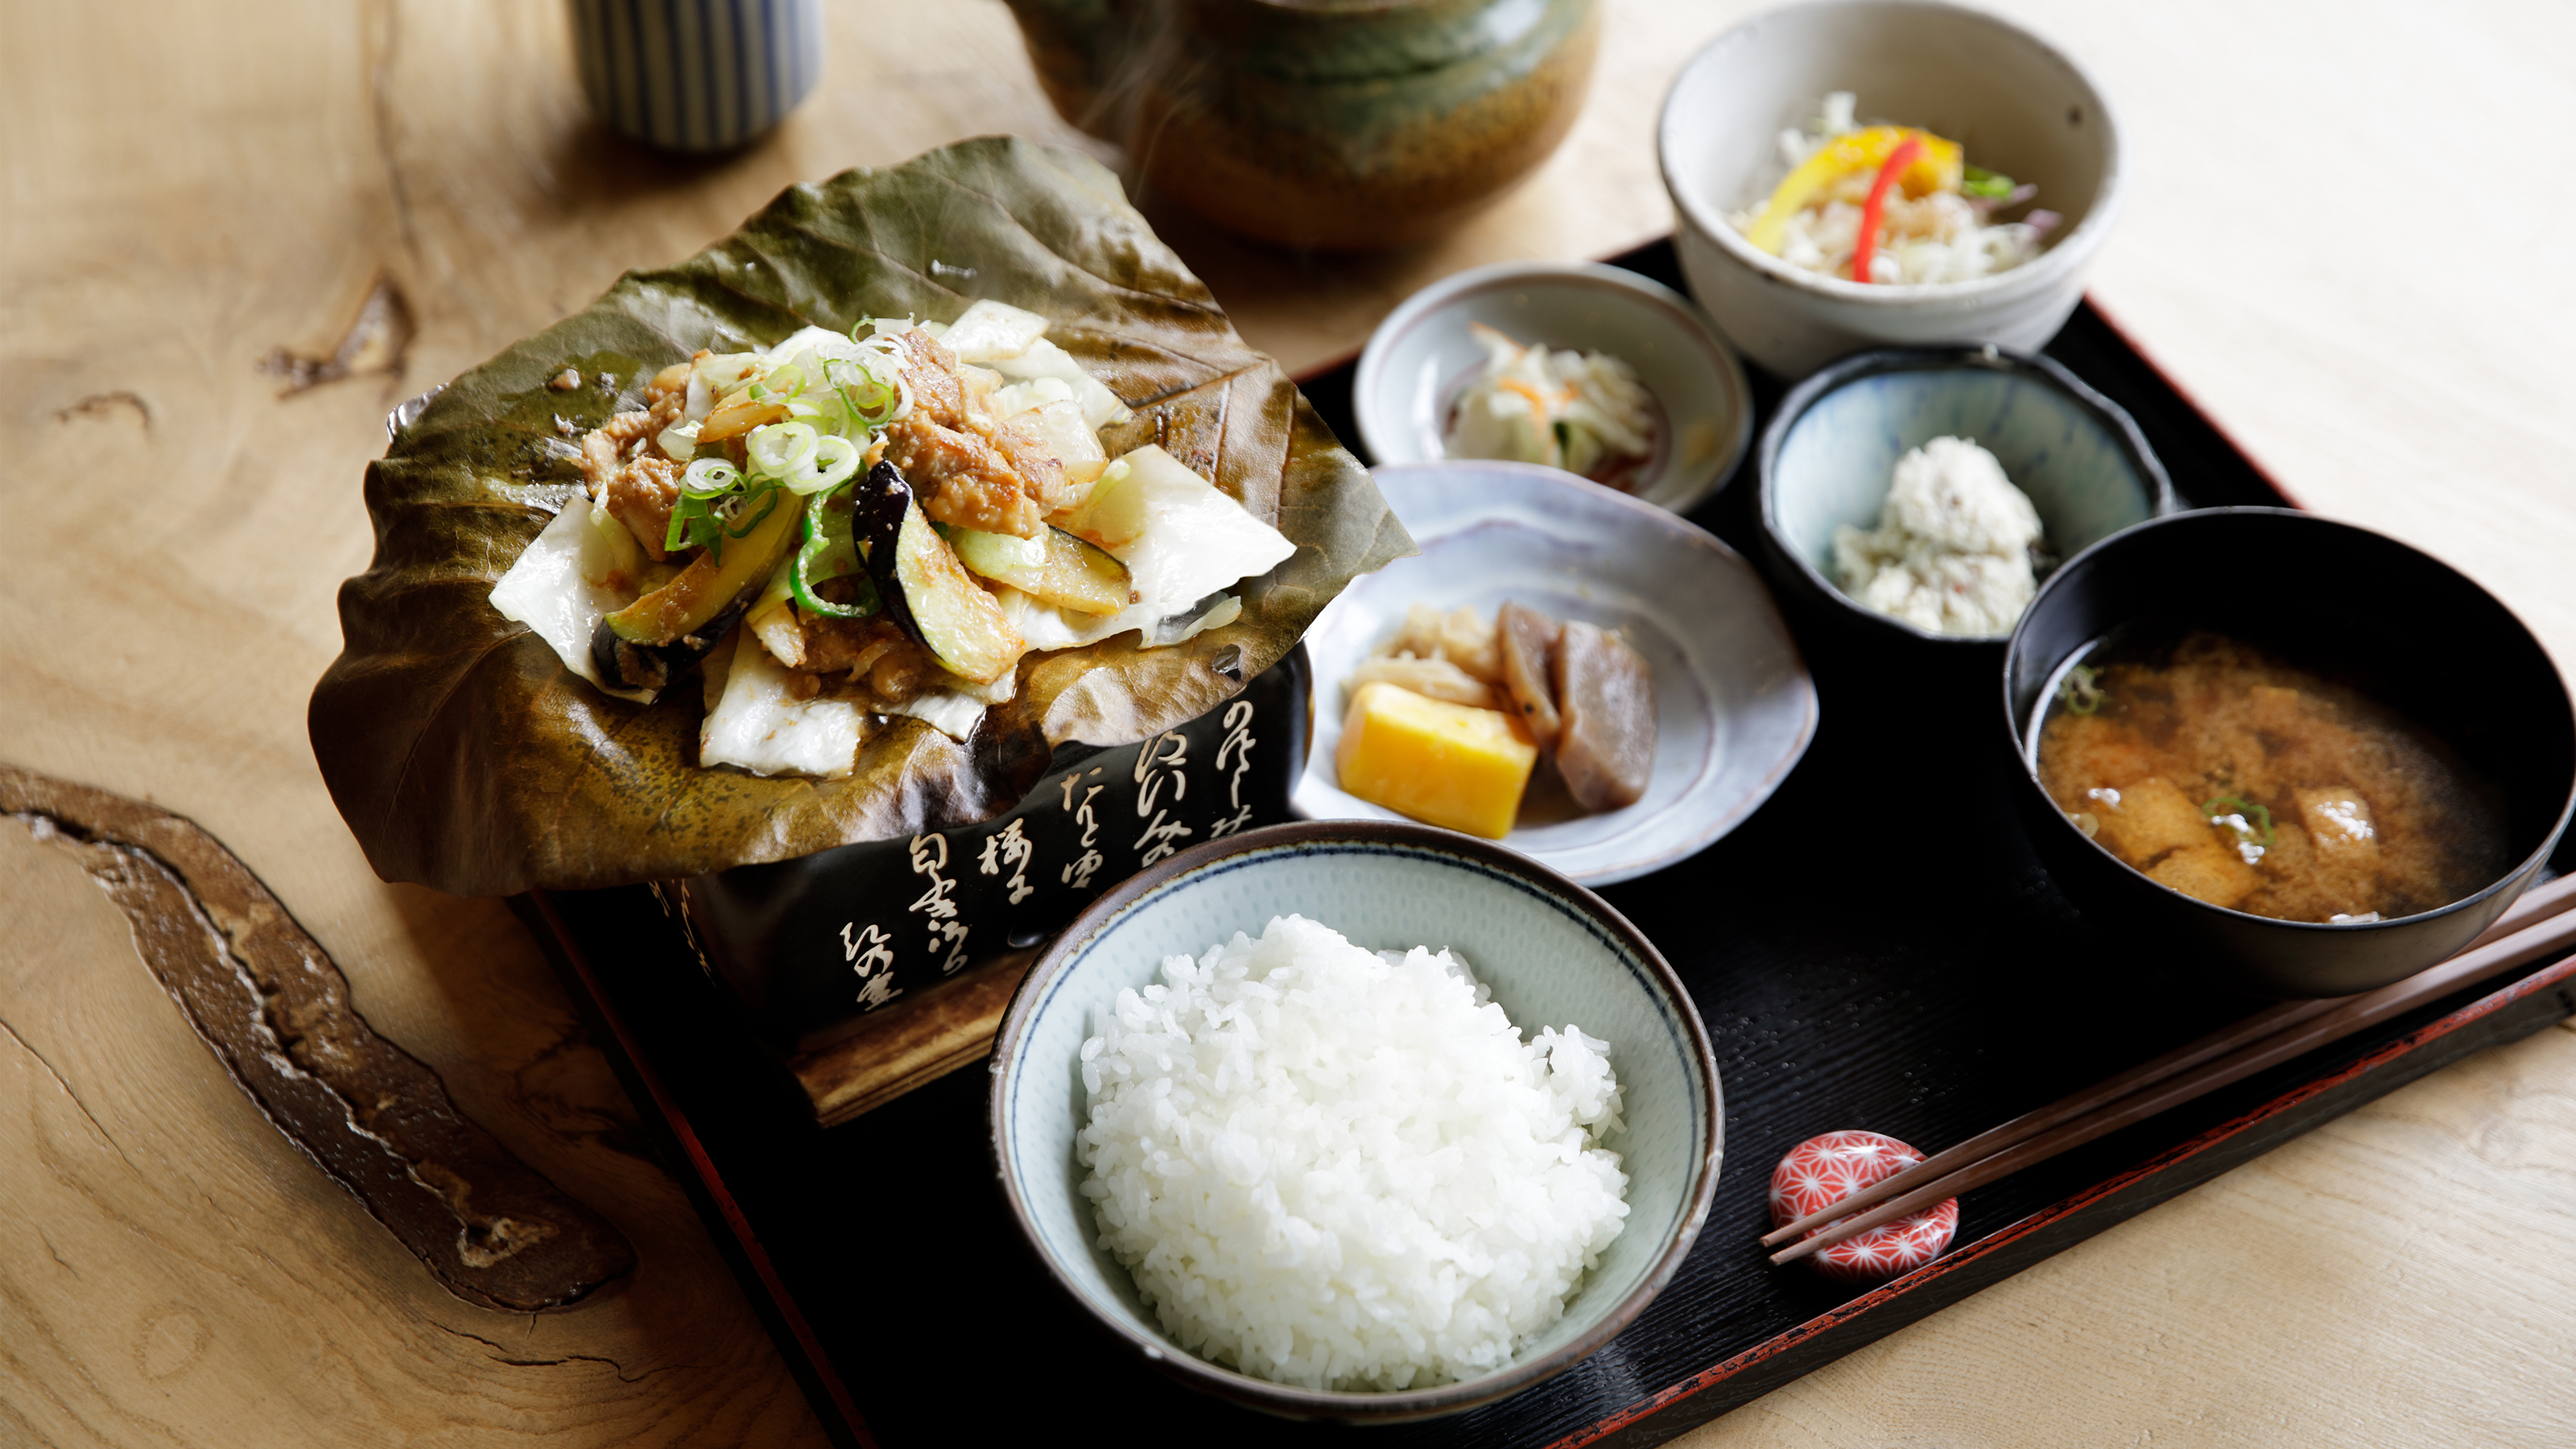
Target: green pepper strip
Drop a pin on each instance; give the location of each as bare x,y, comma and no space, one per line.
827,552
1978,181
2261,814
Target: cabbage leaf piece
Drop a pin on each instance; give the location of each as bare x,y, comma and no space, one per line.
466,757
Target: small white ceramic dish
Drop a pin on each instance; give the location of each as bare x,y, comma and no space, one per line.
1422,356
2017,103
1551,951
1734,706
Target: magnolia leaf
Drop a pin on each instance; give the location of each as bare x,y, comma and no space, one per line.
466,757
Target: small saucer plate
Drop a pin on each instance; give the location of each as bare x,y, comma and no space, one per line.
1735,707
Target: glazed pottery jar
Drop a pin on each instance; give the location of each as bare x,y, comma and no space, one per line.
1338,124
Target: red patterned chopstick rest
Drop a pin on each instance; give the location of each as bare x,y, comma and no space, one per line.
1823,1170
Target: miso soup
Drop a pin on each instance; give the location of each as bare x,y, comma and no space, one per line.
2233,776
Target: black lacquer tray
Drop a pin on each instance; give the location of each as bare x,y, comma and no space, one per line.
1876,948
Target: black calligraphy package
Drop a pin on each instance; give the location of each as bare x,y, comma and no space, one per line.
812,946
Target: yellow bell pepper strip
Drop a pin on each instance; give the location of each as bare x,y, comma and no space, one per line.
1866,246
1936,168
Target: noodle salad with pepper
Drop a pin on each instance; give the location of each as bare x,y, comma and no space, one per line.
1891,205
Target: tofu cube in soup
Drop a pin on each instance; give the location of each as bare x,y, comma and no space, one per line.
2209,871
2147,819
2275,710
2346,842
2338,820
2099,751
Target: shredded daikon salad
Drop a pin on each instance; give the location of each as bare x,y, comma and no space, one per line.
1889,205
1580,411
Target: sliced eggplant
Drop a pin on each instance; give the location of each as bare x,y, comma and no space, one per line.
923,587
629,665
1054,567
710,585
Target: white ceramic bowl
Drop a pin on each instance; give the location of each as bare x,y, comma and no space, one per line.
2018,104
1422,356
1734,705
1551,951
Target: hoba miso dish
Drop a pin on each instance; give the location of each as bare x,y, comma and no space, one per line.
1343,1168
1890,204
845,528
1448,719
2249,783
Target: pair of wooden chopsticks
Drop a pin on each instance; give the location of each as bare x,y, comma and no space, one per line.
2542,922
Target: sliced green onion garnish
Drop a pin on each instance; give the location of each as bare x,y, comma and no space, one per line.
710,478
835,460
785,380
2078,691
2261,816
781,450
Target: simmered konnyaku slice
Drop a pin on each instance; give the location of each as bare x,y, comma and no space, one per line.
1526,639
1607,697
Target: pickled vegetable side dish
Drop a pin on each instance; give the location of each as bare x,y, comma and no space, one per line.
2249,783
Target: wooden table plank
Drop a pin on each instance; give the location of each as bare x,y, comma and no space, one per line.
2337,240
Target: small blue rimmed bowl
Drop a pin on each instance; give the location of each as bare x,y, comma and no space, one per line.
1830,454
1551,951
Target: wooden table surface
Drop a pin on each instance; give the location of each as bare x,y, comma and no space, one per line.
2347,239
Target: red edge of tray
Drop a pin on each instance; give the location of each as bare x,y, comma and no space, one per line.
705,1167
2563,971
1725,1369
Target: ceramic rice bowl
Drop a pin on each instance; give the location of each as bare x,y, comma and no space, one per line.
1551,951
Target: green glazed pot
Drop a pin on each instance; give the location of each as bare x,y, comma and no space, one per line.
1339,124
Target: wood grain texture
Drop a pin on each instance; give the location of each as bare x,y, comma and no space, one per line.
275,1008
189,188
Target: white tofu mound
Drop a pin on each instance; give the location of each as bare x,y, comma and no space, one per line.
1951,553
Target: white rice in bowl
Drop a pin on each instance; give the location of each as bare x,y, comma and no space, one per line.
1344,1169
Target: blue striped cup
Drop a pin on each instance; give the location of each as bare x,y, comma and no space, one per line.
697,75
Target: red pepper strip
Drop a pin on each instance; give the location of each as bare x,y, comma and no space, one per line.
1897,160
